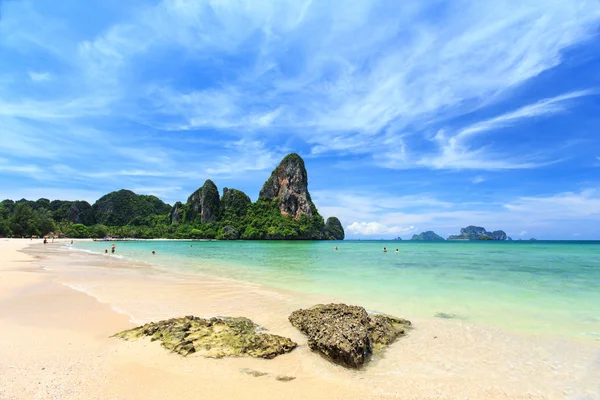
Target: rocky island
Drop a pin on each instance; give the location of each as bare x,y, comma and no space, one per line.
284,210
427,236
472,232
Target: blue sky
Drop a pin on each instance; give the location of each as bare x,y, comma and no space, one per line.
410,115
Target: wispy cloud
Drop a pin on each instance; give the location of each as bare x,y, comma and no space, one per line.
404,67
40,76
456,152
376,228
542,107
162,95
364,213
561,206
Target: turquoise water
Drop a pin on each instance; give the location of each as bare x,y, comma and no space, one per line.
543,287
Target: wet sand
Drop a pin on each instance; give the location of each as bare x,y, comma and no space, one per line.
58,308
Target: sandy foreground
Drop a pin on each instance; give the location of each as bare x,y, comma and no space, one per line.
58,308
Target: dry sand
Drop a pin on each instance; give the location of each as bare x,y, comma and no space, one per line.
58,308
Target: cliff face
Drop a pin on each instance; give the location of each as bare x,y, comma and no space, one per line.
81,212
288,184
234,203
177,213
204,204
334,229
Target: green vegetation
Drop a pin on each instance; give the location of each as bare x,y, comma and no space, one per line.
127,208
146,217
334,229
472,232
281,212
427,236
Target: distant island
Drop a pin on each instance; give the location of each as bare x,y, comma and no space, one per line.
284,210
427,236
472,232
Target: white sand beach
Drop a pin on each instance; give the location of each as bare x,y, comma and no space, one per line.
59,307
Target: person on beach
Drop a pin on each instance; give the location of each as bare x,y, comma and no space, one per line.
105,251
45,240
385,250
113,248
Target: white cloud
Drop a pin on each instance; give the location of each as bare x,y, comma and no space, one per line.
376,69
547,106
30,170
520,216
376,228
568,205
40,76
455,152
478,179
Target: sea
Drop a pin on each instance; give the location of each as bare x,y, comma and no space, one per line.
540,287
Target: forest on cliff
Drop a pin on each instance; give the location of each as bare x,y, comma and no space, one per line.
284,210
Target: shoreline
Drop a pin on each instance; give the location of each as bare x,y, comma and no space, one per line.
462,361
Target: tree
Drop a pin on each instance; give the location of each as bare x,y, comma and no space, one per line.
98,231
21,223
77,231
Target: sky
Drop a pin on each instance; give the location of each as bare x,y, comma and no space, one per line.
410,116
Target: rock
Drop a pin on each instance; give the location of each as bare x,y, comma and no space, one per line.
384,329
334,229
234,203
427,236
472,232
345,334
229,233
253,372
177,213
213,338
288,184
204,203
445,315
285,378
81,212
499,235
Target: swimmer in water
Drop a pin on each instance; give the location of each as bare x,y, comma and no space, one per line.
153,252
105,251
335,248
397,251
385,250
113,249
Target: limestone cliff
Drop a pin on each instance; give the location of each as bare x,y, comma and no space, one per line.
177,213
288,184
234,203
334,229
81,212
472,232
204,204
427,236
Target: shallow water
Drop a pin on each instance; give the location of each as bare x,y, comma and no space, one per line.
540,287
